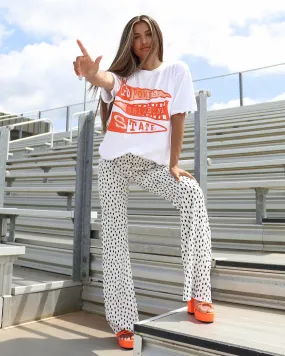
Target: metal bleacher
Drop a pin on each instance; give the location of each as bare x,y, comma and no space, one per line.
246,154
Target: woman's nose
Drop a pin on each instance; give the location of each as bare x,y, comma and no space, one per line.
144,40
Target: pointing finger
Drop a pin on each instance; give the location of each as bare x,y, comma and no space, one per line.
83,49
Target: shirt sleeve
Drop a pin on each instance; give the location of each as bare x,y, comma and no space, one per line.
184,99
108,96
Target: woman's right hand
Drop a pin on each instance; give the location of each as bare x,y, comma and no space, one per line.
84,66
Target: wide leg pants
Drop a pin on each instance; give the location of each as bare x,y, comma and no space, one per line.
113,179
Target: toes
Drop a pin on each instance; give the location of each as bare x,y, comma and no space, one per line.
128,337
204,308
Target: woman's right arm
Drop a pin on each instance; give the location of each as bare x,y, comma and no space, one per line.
101,79
84,66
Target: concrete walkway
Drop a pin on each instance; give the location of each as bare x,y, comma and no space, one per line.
76,334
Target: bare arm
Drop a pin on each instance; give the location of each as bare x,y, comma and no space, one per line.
101,79
177,123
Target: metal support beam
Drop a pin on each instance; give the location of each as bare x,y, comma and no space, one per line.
39,124
12,229
67,121
69,202
83,194
3,228
68,196
4,144
46,170
240,80
9,184
200,118
260,194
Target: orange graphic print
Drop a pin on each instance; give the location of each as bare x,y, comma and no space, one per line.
156,111
129,93
131,125
122,124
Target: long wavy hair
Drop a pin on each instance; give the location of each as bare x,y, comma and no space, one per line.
126,63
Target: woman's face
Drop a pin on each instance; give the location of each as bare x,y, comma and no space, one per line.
142,40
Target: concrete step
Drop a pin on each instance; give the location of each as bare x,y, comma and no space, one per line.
247,278
238,330
74,334
36,295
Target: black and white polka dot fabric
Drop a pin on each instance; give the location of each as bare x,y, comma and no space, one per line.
186,195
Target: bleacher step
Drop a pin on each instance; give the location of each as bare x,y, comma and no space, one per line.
36,295
28,280
238,330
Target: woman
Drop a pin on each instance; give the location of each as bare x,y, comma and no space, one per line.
144,102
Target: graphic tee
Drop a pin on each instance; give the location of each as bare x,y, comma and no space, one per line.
140,121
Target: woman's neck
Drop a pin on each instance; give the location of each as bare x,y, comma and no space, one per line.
152,64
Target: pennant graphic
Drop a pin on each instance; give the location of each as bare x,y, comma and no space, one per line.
156,111
129,93
122,124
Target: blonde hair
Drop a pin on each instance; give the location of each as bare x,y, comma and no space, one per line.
126,63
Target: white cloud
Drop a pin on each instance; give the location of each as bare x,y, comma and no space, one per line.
41,75
279,97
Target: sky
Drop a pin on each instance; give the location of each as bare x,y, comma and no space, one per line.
38,47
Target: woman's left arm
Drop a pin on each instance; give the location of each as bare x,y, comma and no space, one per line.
177,123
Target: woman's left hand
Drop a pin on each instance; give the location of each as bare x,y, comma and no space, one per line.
177,172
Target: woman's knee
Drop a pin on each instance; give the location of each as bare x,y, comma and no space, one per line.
191,188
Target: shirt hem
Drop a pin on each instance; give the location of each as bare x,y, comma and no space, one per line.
183,111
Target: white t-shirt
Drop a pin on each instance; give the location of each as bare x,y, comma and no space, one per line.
140,119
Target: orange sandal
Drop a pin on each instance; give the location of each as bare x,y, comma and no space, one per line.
125,344
200,316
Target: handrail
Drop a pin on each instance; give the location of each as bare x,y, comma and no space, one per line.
70,125
20,114
11,127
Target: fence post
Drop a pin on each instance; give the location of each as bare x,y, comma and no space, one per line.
21,129
4,143
83,196
67,122
39,124
200,118
240,79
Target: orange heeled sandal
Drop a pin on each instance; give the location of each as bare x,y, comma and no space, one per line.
125,344
200,316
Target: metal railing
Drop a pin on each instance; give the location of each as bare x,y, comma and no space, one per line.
71,129
51,132
62,115
70,125
245,87
22,115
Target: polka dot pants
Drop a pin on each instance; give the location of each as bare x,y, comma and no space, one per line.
186,195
